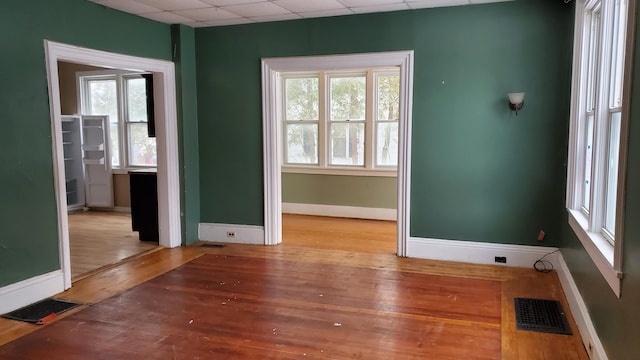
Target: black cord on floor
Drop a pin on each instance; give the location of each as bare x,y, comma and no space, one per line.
542,265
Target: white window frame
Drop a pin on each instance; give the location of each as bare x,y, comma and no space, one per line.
120,76
369,168
588,224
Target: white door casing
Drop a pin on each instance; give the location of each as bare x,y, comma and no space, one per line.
272,130
166,131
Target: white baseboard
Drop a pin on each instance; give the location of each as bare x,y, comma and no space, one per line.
579,310
355,212
476,252
244,234
28,291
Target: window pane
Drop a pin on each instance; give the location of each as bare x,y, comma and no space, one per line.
302,144
588,158
142,148
612,172
617,54
387,144
594,50
388,91
136,99
103,100
348,98
347,144
301,99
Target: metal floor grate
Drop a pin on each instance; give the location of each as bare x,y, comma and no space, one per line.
541,315
212,245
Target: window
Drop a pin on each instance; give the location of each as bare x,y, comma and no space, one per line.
341,120
122,96
599,116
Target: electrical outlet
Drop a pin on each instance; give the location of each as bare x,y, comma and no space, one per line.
501,259
231,234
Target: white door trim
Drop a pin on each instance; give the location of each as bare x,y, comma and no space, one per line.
272,130
166,131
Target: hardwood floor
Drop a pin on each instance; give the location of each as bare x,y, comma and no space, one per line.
100,239
372,294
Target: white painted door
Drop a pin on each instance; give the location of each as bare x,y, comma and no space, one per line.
96,159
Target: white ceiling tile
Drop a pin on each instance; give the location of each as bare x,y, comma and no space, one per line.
421,4
170,5
307,6
361,3
486,1
184,11
380,8
280,17
231,2
223,22
257,9
132,7
229,22
206,14
325,13
167,17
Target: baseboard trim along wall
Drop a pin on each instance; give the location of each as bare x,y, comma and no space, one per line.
23,293
355,212
517,256
477,252
231,233
580,313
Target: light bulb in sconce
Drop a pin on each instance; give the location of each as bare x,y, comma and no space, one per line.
516,100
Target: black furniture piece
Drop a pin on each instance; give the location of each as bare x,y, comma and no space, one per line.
144,203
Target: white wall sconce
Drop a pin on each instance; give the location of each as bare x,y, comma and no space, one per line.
516,101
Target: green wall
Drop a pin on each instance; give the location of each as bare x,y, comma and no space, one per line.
479,172
617,321
362,191
183,43
28,216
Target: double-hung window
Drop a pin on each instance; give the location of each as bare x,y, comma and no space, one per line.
597,147
341,120
123,97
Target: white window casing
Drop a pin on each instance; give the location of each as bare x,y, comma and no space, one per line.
600,111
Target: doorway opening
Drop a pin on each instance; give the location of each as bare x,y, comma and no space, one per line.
169,228
275,130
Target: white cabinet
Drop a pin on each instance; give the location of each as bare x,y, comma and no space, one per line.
97,167
88,169
73,168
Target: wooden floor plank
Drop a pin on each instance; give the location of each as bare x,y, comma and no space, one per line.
99,239
275,305
315,248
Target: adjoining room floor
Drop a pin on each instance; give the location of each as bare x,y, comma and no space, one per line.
98,239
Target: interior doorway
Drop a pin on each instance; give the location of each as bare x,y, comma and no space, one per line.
97,160
274,130
166,132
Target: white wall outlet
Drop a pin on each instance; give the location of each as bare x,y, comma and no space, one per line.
231,234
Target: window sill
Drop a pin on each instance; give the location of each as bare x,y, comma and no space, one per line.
598,248
125,171
339,171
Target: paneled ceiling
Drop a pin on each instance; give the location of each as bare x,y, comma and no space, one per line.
202,13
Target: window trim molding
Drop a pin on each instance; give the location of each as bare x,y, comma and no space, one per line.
336,170
606,257
272,129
